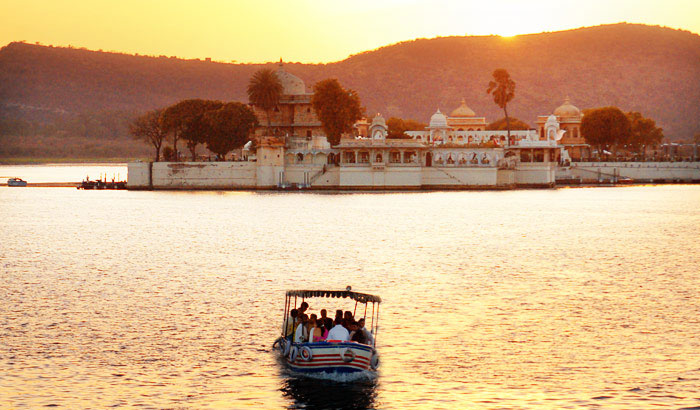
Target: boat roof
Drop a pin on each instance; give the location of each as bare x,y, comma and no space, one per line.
360,297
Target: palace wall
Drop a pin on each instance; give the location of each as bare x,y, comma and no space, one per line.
254,175
366,177
639,171
441,177
535,174
192,175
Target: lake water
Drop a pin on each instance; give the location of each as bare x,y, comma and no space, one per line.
566,298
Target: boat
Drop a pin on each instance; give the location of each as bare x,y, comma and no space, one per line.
331,359
16,182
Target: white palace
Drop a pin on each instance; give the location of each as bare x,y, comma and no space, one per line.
455,151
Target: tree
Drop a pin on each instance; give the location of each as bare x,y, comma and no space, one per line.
228,127
184,120
502,124
397,127
644,132
605,128
149,127
502,87
336,107
264,92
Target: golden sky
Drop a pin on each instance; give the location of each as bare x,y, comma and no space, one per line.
305,30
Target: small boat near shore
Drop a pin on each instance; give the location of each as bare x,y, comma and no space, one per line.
339,360
102,184
16,182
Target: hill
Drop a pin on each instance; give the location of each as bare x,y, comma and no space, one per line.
650,69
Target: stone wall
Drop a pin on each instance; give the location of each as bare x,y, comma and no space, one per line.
638,171
449,177
535,174
192,175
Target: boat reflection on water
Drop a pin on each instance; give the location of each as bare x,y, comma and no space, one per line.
309,393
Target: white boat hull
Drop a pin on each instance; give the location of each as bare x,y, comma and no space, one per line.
330,358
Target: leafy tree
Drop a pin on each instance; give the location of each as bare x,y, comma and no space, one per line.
337,108
502,87
605,128
502,124
149,127
397,127
184,120
644,132
228,127
264,92
168,153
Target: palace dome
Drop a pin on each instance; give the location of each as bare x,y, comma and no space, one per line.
438,120
463,111
378,120
567,110
291,84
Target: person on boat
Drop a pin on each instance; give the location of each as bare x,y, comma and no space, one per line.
339,332
289,325
363,329
357,335
301,335
348,316
327,326
303,307
315,329
323,315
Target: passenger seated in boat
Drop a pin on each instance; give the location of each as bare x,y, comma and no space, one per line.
291,324
339,314
323,316
357,335
302,333
368,334
303,307
315,329
327,326
348,316
339,332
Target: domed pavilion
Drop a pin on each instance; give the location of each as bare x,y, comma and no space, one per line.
464,118
569,117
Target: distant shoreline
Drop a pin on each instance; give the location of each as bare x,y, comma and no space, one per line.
82,161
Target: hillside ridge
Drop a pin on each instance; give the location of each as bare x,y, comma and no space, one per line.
651,69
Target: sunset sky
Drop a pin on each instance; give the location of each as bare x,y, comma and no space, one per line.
305,30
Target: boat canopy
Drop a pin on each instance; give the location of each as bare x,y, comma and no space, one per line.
359,297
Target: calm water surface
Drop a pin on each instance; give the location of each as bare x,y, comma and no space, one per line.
568,298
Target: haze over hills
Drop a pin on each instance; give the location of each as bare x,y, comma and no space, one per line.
649,69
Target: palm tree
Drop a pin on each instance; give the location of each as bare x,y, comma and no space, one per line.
503,90
264,91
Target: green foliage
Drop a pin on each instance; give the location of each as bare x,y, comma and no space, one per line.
502,88
644,132
184,120
228,127
149,128
264,91
397,127
169,154
515,124
336,107
605,128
